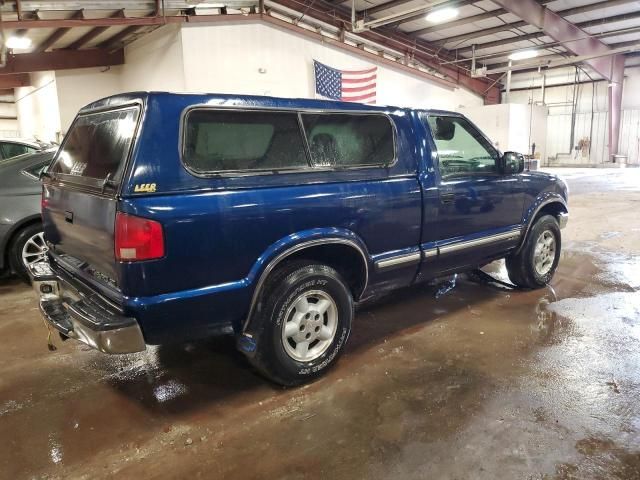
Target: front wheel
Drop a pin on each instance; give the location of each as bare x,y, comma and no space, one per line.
303,323
536,262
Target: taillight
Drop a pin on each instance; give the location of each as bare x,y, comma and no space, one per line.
137,238
44,202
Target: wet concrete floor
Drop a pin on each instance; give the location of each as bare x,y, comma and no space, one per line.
480,383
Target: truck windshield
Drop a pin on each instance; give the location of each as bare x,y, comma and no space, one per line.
97,145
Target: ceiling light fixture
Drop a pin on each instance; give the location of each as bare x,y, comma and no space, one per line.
18,43
442,15
523,55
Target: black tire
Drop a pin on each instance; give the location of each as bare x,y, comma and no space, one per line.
522,267
15,250
282,290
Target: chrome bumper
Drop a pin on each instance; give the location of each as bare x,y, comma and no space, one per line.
86,318
563,219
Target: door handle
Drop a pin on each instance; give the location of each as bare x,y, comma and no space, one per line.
447,197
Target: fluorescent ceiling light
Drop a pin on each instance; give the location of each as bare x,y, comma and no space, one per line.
18,43
442,15
523,55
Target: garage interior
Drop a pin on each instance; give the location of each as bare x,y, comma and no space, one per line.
463,378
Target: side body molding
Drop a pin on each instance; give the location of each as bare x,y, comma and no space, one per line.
349,239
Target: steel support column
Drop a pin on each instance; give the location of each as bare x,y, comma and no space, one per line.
610,67
615,102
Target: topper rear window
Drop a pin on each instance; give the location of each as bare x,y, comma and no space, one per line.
97,145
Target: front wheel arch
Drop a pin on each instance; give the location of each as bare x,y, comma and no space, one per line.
554,206
521,265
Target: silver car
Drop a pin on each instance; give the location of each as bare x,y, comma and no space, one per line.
21,239
10,148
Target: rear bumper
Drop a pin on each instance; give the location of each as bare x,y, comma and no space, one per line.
88,318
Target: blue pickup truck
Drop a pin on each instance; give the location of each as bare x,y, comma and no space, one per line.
180,216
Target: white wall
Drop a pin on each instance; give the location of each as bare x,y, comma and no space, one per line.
152,63
155,61
217,58
493,120
37,108
227,58
9,127
512,127
77,88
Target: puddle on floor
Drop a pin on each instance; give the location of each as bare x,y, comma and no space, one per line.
482,382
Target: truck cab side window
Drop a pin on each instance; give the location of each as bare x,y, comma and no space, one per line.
462,150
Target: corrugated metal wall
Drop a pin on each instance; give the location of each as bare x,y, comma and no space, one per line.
630,136
592,128
559,134
591,104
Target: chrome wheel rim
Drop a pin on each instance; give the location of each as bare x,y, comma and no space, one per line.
310,325
34,250
545,253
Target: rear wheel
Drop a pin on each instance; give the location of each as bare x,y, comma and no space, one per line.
27,247
303,323
536,262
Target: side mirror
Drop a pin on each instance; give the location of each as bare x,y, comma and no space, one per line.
511,163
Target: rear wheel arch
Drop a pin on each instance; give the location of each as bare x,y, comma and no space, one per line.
346,256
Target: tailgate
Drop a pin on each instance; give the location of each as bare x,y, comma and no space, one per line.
81,189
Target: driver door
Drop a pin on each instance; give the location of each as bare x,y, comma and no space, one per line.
479,208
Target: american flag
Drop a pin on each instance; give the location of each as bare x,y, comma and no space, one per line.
346,85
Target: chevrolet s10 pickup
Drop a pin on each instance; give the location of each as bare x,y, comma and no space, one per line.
172,217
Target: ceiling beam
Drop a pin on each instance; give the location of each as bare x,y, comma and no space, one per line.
89,22
465,21
561,30
14,80
562,62
537,35
457,23
429,8
57,35
508,26
384,6
610,67
93,33
19,9
395,40
117,40
61,60
499,62
358,51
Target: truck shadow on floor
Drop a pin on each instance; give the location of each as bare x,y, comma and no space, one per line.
178,378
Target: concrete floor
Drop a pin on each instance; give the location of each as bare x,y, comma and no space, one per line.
481,383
